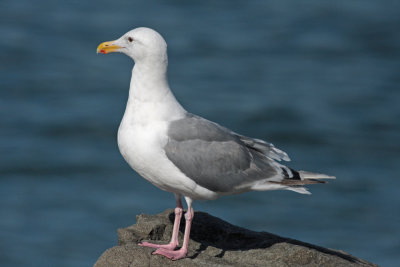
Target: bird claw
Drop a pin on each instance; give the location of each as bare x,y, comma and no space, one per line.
169,246
171,254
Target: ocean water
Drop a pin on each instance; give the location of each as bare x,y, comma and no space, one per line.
320,80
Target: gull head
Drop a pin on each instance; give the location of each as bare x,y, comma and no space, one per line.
141,44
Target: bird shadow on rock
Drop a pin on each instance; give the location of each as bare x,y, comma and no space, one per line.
208,230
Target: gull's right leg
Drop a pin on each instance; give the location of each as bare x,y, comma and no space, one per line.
174,239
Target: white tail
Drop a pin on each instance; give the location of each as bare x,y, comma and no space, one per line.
311,175
301,190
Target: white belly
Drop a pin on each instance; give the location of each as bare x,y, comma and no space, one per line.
141,145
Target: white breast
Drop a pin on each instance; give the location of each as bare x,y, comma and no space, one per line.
141,142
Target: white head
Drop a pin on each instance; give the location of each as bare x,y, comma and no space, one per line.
141,44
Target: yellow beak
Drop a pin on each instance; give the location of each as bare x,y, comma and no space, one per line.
107,47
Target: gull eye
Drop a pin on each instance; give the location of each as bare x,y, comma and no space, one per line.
130,39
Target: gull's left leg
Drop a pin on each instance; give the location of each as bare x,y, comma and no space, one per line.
174,239
180,253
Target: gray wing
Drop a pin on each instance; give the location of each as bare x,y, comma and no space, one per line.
220,160
265,148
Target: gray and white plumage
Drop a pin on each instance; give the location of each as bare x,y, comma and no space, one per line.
218,159
183,153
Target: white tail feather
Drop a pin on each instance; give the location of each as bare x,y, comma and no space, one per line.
311,175
271,186
301,190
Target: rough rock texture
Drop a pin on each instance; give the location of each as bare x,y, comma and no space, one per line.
215,242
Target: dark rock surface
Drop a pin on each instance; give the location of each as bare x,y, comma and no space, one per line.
215,242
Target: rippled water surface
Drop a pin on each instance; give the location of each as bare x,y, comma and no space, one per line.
320,80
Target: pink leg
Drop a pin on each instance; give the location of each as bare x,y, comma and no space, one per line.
181,253
174,239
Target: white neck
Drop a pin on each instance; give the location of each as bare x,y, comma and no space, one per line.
150,97
149,81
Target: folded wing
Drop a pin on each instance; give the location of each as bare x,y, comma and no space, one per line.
223,161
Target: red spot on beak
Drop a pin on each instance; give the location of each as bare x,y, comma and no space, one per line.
103,51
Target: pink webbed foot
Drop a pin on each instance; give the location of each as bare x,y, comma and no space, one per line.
171,254
169,246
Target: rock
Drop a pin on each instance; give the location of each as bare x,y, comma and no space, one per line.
215,242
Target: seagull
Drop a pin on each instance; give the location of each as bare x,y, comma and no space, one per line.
185,154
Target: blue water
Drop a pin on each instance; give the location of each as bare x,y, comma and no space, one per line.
321,80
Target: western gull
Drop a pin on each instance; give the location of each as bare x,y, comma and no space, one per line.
185,154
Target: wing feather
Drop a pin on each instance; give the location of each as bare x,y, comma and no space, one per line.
218,159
